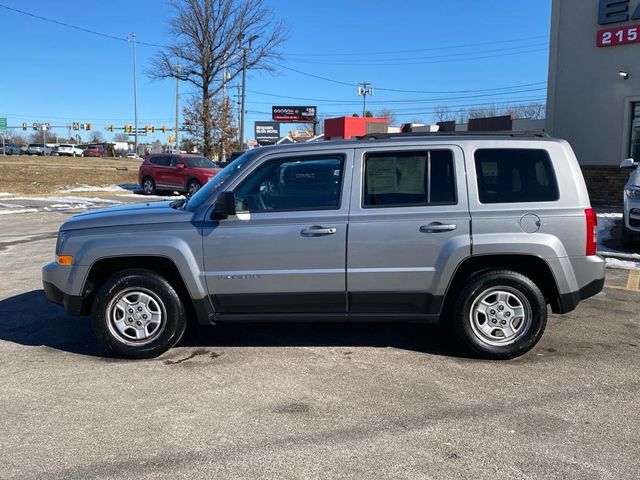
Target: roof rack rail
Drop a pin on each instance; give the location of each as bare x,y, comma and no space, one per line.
503,133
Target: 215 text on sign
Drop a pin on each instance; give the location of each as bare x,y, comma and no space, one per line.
619,36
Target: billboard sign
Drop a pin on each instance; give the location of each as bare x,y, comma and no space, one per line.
294,114
267,133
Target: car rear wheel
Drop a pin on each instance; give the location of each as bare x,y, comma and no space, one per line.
138,314
192,187
148,186
499,315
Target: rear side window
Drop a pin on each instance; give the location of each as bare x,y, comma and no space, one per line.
161,161
409,179
515,175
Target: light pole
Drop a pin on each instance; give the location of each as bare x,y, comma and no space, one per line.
132,38
244,84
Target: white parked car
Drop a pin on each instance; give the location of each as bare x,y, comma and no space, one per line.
631,212
67,150
132,155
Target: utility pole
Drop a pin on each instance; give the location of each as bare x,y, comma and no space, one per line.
177,105
245,50
364,89
244,84
223,152
132,39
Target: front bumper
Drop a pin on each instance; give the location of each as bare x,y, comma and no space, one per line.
73,305
54,280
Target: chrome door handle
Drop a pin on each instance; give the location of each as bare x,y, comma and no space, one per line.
317,231
437,227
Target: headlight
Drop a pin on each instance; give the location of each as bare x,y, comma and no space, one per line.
633,191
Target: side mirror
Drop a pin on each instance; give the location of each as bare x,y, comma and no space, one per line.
180,165
628,163
225,206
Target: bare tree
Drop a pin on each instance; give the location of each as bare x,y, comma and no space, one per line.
210,37
389,114
223,128
442,113
96,137
121,137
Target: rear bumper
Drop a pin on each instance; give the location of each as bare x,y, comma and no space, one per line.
588,280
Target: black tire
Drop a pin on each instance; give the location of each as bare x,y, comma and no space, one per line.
471,332
148,186
127,284
193,186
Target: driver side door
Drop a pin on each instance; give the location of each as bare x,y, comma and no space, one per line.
285,250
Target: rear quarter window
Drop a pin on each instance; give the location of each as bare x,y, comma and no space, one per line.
513,175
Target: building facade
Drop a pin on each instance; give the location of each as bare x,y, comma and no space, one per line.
593,98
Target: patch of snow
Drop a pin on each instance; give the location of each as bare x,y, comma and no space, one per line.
606,224
151,197
6,194
17,210
70,200
621,264
124,187
10,205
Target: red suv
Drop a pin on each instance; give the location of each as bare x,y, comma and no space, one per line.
93,151
173,172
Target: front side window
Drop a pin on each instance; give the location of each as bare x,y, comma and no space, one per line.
409,179
291,184
513,175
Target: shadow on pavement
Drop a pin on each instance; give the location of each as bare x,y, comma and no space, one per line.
30,319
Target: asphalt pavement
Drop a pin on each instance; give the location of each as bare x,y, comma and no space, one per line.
310,401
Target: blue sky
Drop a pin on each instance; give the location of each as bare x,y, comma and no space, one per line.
454,48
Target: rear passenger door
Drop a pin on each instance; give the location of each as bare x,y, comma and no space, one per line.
409,221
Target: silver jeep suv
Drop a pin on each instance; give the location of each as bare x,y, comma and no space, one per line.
482,233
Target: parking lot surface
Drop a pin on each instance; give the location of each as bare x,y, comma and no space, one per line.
310,401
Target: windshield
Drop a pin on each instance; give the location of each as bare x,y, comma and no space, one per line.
199,162
212,185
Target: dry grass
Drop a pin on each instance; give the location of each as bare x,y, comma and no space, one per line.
47,175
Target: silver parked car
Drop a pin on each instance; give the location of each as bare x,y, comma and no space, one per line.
39,149
9,149
631,216
482,233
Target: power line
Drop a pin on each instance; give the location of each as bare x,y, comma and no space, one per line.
75,27
447,47
446,58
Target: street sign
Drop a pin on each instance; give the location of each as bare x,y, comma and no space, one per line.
267,133
294,114
3,123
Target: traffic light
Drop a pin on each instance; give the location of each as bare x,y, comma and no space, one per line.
34,126
110,128
146,129
164,129
76,126
87,126
170,139
153,129
24,126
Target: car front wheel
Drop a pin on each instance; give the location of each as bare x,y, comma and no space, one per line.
499,315
138,314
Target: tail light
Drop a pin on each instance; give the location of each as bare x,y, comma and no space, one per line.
592,231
